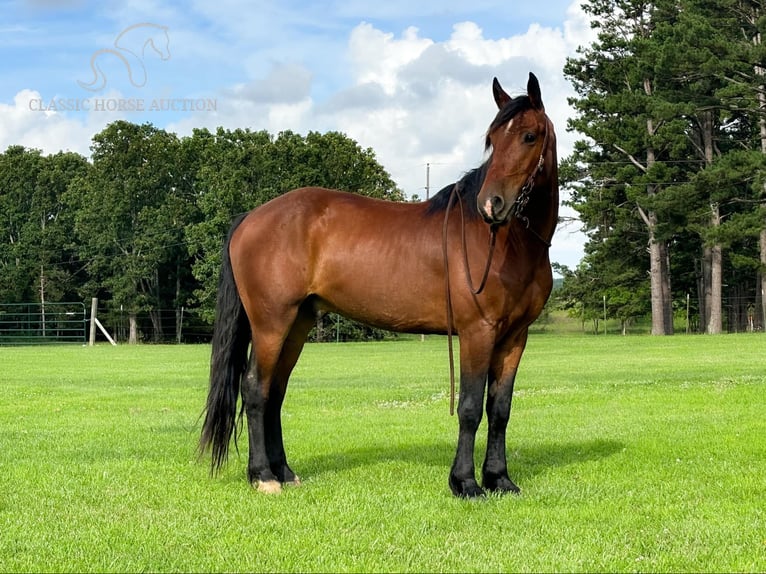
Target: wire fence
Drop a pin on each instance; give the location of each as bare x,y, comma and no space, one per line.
36,323
69,322
181,325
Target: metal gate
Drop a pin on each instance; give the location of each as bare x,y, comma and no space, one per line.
35,324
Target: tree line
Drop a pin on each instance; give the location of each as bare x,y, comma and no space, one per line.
669,179
140,224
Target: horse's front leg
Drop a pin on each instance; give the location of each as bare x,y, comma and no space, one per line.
474,364
505,362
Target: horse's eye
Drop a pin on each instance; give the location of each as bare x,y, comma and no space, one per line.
529,138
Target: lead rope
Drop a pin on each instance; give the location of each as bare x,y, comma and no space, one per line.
474,291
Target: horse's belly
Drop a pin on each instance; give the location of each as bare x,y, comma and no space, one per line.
384,298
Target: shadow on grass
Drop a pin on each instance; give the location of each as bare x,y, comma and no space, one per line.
524,462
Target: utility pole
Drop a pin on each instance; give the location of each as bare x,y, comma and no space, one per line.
428,192
428,180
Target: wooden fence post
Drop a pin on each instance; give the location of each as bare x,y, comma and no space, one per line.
93,310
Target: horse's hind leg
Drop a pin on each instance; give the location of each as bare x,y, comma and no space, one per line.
291,350
276,347
255,396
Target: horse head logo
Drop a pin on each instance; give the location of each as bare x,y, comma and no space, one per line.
130,47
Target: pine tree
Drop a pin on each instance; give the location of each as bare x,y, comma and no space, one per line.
632,129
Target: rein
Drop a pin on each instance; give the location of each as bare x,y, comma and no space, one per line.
518,207
474,291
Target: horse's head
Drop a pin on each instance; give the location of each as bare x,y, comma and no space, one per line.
520,137
159,41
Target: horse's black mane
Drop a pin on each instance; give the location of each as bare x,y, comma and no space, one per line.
468,188
469,185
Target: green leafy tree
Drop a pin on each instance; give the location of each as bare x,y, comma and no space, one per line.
128,215
19,171
51,226
36,262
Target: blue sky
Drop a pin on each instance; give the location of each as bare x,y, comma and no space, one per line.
409,78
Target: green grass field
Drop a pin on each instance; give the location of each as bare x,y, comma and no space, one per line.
633,454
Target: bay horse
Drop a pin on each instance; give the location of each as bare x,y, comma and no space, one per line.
396,266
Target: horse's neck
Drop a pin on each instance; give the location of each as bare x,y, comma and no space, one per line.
544,202
549,217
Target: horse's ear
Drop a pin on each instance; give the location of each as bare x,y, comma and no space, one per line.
501,98
533,91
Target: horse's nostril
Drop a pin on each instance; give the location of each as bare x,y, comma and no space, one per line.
497,204
493,206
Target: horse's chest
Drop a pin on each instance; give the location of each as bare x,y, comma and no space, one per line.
520,299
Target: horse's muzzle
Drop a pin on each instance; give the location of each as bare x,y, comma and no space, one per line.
494,210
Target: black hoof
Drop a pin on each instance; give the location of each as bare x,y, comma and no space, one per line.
500,484
465,488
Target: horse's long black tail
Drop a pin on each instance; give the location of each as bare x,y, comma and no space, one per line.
228,362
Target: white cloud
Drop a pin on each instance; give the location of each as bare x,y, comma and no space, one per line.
542,45
28,122
377,56
577,29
